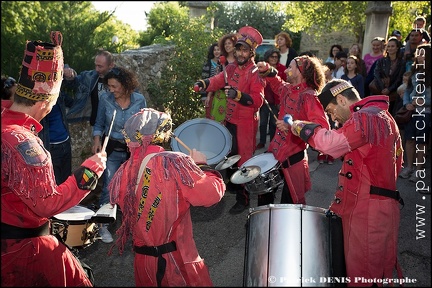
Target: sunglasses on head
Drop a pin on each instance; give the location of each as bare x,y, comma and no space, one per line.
9,83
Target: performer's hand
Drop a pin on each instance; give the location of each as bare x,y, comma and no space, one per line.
198,157
230,92
263,66
201,85
282,126
266,70
96,163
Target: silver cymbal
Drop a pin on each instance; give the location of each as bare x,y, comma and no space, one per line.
227,162
245,174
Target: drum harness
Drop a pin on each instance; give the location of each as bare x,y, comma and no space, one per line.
156,251
14,232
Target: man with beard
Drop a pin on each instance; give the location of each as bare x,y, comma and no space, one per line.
305,79
366,198
245,92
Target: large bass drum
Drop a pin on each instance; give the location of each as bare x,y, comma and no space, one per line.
293,245
205,135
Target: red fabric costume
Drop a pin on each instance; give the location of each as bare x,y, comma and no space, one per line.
29,197
245,117
371,146
167,184
302,103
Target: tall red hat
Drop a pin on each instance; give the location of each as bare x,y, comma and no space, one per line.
41,73
249,36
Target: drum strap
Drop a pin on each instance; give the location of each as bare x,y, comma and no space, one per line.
13,232
157,251
293,159
387,193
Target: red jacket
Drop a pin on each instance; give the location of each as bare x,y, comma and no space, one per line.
371,147
168,184
29,197
247,80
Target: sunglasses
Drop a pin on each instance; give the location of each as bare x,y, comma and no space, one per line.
9,83
273,56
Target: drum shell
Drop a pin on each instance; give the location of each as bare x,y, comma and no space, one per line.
292,244
78,233
75,226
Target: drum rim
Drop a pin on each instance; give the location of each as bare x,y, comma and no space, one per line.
80,207
262,155
281,206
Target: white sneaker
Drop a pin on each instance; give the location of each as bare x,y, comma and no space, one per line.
406,173
104,234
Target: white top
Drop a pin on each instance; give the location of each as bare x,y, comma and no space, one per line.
284,57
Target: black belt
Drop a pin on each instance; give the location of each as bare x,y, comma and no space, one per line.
13,232
157,251
387,193
293,159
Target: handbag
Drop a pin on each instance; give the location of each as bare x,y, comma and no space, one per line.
403,115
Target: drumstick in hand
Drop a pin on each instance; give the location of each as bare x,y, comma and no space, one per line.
222,60
181,142
109,132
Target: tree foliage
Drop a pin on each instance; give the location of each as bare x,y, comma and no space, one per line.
266,17
405,12
174,92
322,17
84,30
162,20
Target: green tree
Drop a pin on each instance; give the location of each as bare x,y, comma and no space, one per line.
404,14
174,92
84,30
266,17
347,16
162,19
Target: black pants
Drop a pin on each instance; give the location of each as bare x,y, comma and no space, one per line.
242,196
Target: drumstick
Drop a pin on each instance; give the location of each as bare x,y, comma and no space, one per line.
271,111
181,142
109,132
222,60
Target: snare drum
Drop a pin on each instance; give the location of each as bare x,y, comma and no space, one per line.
75,227
270,176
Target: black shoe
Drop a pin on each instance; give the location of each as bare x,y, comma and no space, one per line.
238,208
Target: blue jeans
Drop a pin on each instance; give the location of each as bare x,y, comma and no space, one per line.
114,161
61,156
267,118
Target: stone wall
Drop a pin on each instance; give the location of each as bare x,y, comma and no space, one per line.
147,62
320,46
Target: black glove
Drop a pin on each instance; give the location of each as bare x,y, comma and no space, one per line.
201,85
271,72
232,93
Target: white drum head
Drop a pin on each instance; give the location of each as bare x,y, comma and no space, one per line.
205,135
76,213
265,161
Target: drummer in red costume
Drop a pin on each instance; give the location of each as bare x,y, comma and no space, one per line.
155,189
366,198
245,93
298,97
30,256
